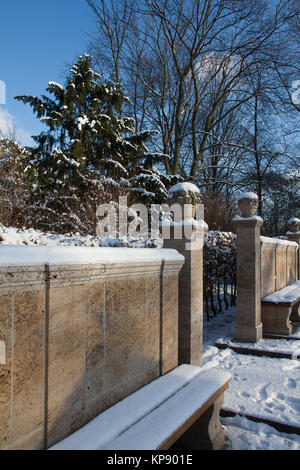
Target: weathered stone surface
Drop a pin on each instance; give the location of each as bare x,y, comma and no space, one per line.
190,300
81,339
248,204
294,237
33,441
21,278
206,433
292,264
268,267
95,352
248,325
281,266
28,376
276,319
67,344
154,301
125,341
6,306
169,324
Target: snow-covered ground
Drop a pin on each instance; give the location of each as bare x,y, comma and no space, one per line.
243,434
263,387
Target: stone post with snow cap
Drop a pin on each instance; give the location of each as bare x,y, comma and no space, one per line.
185,234
293,235
293,232
248,323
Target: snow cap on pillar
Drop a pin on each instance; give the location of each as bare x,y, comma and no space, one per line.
248,204
185,193
293,225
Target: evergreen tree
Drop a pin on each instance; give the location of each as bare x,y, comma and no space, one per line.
89,153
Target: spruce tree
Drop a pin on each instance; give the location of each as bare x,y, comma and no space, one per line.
90,153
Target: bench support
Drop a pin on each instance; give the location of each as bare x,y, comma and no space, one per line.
276,318
206,433
295,315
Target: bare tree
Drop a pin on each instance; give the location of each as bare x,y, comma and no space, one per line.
187,67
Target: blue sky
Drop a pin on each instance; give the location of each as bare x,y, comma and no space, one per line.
38,40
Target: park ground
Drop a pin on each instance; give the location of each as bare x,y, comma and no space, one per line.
266,389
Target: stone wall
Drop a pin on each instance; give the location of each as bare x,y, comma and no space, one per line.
279,264
264,265
78,337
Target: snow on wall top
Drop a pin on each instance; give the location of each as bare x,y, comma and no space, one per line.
12,255
277,241
185,187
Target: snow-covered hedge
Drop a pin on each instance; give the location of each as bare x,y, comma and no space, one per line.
219,257
15,236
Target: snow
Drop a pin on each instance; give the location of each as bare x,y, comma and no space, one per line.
253,217
11,255
82,121
128,411
243,434
247,195
162,404
263,387
189,222
277,241
55,85
28,237
172,414
185,187
287,294
270,345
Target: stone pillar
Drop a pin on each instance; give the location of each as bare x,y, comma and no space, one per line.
185,234
293,235
248,323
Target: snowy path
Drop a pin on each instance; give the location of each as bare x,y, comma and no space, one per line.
264,387
243,434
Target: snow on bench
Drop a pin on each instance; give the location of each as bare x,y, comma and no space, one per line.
277,309
289,294
155,416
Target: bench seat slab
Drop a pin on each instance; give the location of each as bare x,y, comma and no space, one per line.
164,425
155,416
116,419
280,308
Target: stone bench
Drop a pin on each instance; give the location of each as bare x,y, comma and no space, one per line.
181,406
277,308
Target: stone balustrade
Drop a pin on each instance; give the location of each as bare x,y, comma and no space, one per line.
264,266
80,329
279,264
